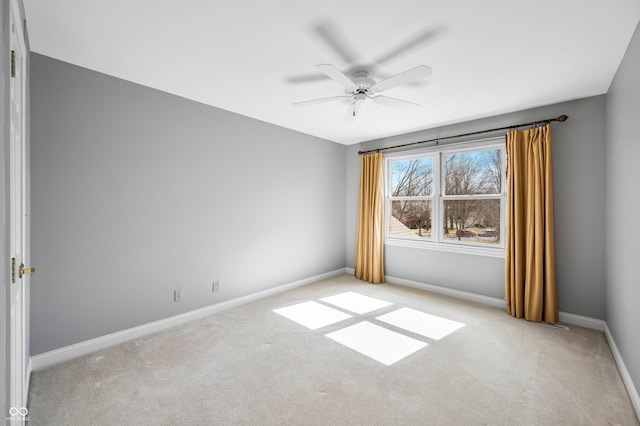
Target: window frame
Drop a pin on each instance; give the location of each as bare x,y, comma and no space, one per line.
438,198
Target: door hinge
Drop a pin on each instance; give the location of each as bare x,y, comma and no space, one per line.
13,63
13,270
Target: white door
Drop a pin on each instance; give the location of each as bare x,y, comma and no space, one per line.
18,222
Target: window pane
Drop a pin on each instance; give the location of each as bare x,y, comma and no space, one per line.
471,221
411,177
410,219
476,172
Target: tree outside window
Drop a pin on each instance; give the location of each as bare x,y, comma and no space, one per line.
462,189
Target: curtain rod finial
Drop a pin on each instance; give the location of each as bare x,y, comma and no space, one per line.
562,118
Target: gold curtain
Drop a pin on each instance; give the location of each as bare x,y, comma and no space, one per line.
530,276
369,262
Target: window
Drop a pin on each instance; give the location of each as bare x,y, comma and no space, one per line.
450,198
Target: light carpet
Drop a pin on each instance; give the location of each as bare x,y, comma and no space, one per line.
252,366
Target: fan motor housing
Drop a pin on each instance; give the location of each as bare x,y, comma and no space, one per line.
362,80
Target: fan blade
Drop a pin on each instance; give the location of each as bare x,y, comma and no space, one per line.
321,100
352,111
305,78
332,35
337,75
408,76
393,102
410,44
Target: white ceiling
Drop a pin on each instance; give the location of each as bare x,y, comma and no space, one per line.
257,57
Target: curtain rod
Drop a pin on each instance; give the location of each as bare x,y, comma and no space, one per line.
515,126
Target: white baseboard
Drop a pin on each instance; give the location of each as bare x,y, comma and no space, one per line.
56,356
458,294
622,368
573,319
581,321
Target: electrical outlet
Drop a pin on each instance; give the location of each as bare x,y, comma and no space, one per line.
177,295
215,287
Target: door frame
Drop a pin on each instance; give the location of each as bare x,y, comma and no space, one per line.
18,358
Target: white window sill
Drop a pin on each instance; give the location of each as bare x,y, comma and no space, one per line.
449,247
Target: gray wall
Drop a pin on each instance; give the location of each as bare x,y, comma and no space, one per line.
578,151
137,192
623,206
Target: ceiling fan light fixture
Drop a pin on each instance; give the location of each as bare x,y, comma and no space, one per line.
360,87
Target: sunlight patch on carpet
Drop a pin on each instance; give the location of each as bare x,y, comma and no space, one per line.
312,315
427,325
377,343
355,302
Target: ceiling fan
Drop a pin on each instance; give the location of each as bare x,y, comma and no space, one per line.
360,87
